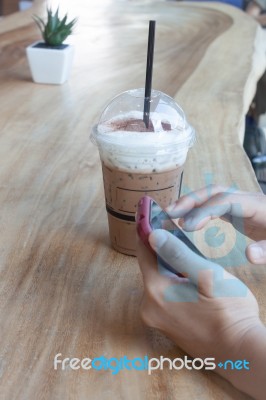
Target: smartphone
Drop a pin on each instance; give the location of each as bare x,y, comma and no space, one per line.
151,216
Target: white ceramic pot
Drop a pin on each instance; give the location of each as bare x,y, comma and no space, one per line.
51,66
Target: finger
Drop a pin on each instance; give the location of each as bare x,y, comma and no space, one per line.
256,252
175,253
195,199
155,277
150,266
147,260
246,226
238,205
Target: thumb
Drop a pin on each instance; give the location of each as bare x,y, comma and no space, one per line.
176,254
256,252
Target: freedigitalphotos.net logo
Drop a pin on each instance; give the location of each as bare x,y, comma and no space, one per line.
115,365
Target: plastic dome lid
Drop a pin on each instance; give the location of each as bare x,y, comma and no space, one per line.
125,113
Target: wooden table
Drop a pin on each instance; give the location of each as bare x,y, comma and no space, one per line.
8,6
63,290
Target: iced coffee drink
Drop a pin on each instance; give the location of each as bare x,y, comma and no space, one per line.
139,160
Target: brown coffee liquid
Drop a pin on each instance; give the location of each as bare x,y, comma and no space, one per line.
122,193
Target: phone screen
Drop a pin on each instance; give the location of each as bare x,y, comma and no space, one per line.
159,219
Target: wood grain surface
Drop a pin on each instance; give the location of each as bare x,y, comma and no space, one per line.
62,288
8,6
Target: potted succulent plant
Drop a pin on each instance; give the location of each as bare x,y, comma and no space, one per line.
50,61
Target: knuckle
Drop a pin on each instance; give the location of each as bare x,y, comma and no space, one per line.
216,190
175,256
220,197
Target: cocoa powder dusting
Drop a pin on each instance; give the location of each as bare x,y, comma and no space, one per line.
136,125
166,126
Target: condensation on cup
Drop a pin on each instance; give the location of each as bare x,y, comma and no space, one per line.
138,161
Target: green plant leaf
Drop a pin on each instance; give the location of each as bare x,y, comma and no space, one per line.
55,30
63,22
40,23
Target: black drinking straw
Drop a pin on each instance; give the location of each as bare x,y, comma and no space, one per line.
148,82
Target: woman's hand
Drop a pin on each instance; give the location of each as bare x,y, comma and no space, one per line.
209,313
199,207
203,313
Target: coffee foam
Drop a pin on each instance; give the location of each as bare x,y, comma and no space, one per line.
162,147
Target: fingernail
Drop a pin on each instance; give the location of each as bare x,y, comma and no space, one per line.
157,239
256,252
181,222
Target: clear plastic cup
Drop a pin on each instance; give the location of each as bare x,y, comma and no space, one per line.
137,160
